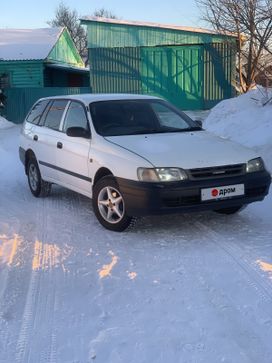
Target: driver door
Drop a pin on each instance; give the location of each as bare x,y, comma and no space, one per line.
73,152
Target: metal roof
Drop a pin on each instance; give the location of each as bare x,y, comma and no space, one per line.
27,44
87,19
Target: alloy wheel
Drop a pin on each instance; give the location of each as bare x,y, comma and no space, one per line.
33,177
111,205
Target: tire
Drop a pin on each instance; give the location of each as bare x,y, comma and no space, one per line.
231,210
38,187
109,205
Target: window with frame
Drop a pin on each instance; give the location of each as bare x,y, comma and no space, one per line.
36,112
4,80
75,117
54,114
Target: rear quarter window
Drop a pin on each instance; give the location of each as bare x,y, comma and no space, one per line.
36,112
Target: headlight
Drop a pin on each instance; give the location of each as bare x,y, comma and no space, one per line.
255,165
161,174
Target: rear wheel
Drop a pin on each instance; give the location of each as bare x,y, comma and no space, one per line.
38,187
109,205
230,210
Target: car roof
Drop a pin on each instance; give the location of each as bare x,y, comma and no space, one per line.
90,97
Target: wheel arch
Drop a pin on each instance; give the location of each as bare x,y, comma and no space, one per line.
101,173
29,153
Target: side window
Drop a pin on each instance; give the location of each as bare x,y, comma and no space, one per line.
75,117
45,112
36,112
54,115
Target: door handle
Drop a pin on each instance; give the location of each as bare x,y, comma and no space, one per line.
59,145
35,138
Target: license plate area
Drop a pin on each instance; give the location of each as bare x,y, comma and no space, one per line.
222,192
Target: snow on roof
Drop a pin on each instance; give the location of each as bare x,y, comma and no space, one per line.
149,24
67,67
27,44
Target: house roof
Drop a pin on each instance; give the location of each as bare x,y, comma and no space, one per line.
87,19
27,44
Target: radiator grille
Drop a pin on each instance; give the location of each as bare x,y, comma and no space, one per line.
217,171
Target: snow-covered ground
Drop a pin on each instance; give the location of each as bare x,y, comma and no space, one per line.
183,288
5,124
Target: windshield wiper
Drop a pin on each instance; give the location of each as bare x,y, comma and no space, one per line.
195,128
165,130
142,132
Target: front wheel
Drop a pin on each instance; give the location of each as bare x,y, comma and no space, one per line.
230,210
109,205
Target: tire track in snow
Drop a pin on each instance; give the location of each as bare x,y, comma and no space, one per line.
61,208
34,344
246,321
253,277
15,273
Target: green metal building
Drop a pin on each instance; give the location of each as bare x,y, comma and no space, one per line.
40,58
36,63
191,67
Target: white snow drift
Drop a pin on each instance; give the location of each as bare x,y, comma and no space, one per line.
245,120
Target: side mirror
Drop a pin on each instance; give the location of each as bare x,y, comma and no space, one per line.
78,132
199,122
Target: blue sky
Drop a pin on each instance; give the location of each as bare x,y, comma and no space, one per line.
35,13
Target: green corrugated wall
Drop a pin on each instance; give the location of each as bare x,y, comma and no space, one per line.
191,77
175,73
115,70
19,100
23,73
219,73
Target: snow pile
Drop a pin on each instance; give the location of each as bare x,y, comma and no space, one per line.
5,124
245,120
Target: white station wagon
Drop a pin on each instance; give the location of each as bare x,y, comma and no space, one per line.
136,155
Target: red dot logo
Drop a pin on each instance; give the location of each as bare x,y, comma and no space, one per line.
214,192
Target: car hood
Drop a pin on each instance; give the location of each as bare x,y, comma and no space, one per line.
185,149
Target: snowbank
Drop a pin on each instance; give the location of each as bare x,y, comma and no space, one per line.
5,124
245,120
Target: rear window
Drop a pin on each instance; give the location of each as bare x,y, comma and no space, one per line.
36,112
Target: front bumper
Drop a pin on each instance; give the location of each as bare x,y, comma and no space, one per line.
142,198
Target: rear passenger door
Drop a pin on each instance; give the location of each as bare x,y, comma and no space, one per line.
49,131
73,156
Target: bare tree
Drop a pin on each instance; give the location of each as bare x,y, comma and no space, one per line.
64,16
104,13
251,21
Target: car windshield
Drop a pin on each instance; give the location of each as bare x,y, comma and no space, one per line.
135,117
